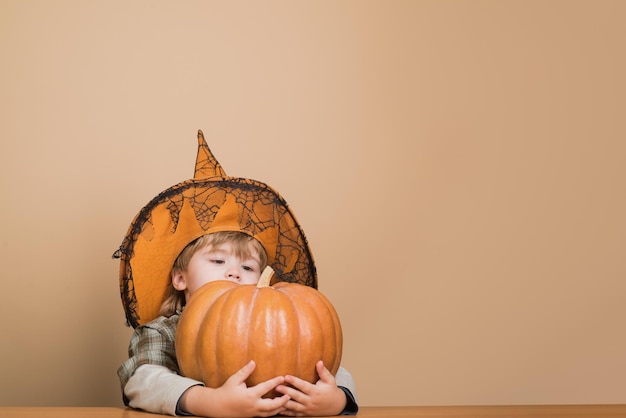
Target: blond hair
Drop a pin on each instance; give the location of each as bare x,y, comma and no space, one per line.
174,300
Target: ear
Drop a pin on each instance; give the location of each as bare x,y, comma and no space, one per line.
178,280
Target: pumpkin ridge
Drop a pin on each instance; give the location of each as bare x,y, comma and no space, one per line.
296,324
207,339
324,313
231,329
187,341
306,309
324,346
335,333
248,338
291,314
254,316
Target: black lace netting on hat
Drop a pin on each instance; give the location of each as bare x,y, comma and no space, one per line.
260,208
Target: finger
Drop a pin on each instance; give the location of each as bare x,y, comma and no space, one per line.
295,406
274,404
290,413
293,393
294,409
325,375
264,387
300,384
271,413
242,374
271,407
280,411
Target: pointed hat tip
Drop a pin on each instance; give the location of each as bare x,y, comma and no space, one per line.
207,165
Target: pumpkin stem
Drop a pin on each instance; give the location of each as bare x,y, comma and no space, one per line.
266,277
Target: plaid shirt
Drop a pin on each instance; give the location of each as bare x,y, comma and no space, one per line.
152,343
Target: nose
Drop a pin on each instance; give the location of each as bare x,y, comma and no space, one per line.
233,273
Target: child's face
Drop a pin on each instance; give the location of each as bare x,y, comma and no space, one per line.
217,263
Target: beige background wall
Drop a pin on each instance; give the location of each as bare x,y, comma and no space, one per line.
458,166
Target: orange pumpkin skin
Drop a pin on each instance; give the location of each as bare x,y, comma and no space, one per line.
285,328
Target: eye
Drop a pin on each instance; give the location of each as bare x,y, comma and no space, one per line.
217,261
247,268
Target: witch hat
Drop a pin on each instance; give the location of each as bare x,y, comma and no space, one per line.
209,202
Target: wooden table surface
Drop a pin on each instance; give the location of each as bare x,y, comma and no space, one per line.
525,411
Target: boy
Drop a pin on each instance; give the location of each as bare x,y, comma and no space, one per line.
209,228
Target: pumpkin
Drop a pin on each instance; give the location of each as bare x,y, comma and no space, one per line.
286,328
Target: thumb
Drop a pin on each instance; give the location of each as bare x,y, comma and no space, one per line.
324,374
242,374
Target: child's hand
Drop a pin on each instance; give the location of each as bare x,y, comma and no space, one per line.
234,398
320,399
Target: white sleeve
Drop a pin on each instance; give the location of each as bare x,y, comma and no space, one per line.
156,389
344,378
